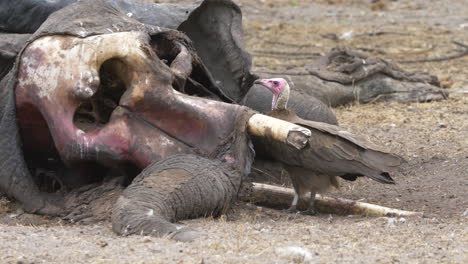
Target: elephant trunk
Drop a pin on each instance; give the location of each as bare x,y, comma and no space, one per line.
176,188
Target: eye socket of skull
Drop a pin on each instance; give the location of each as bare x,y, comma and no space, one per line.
96,111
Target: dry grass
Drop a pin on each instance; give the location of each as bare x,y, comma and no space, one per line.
5,206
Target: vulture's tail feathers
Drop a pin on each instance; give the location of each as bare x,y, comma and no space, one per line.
383,177
380,163
381,160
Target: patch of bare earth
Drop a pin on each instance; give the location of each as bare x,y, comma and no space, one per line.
432,137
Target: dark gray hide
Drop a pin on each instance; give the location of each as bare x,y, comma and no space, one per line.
25,16
10,45
344,76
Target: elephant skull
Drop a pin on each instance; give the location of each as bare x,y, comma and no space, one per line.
109,99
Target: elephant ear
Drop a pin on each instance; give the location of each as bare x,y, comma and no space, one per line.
215,28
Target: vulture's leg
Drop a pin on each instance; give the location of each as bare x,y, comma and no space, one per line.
293,208
311,209
299,202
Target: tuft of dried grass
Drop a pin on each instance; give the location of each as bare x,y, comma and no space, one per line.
5,205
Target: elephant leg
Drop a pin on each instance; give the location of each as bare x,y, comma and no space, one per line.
176,188
16,181
20,186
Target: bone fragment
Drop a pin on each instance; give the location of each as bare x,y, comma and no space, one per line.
280,196
279,130
182,64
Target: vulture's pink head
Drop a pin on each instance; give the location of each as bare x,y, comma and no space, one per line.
279,88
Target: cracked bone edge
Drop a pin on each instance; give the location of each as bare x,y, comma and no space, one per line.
279,130
280,196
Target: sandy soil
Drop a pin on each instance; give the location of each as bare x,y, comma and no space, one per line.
432,137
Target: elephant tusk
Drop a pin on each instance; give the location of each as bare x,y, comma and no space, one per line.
279,196
279,130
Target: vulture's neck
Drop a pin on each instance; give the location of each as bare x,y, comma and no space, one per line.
283,97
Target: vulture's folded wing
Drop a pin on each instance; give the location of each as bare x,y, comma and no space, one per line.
334,151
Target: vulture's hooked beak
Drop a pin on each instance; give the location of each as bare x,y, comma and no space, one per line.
262,82
259,81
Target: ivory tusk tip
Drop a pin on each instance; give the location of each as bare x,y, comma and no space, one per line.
298,138
279,130
302,130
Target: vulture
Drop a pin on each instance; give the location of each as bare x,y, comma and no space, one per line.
333,152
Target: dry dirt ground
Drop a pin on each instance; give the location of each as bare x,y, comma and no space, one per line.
432,137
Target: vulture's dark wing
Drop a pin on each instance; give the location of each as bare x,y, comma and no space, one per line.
334,151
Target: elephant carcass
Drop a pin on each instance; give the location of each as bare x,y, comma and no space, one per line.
106,103
94,97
